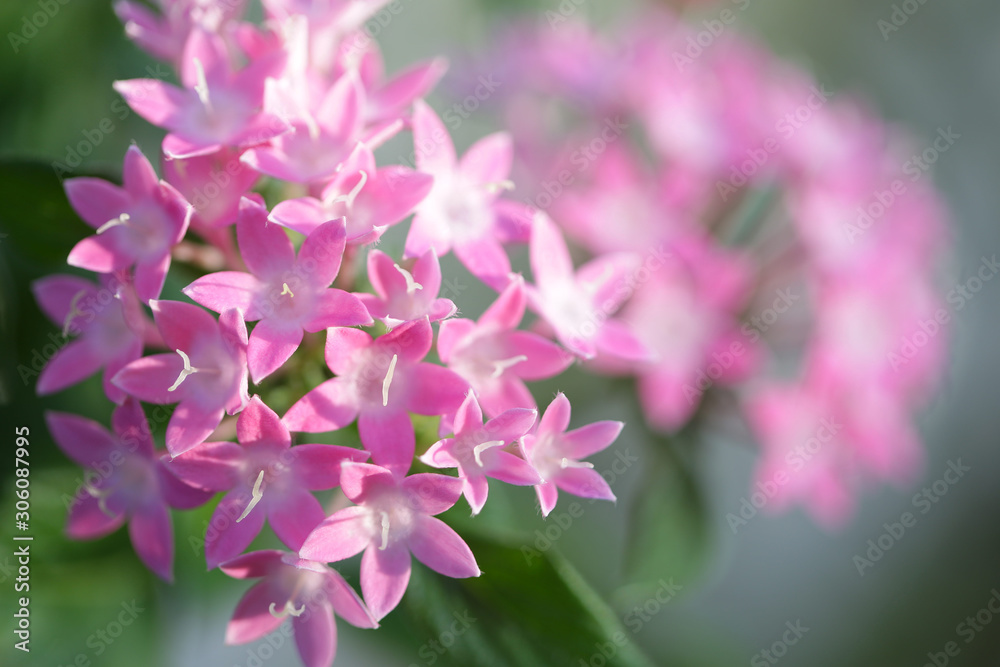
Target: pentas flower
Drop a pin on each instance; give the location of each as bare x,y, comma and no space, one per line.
214,184
495,357
393,518
265,478
288,294
309,592
478,450
164,35
578,305
555,453
403,295
218,107
132,483
389,99
459,213
137,224
371,199
106,317
206,375
379,382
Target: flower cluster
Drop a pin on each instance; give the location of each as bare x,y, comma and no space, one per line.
782,244
299,104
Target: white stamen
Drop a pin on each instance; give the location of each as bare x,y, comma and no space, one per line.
102,497
570,463
384,520
350,196
257,494
114,222
311,125
411,284
201,87
288,610
188,370
499,186
286,290
478,450
388,380
500,366
73,312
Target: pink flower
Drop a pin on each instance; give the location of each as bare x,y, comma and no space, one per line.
108,320
379,382
288,294
206,375
132,483
371,199
218,107
404,296
214,184
138,224
579,305
478,450
555,453
496,358
390,99
265,477
394,517
310,592
459,213
164,35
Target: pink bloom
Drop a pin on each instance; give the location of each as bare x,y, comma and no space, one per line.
214,184
371,199
206,376
478,450
310,592
138,224
265,477
579,305
132,483
393,518
555,453
460,213
164,35
379,382
108,320
404,296
288,294
495,357
218,107
390,99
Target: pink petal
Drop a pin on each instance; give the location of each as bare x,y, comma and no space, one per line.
615,338
293,515
590,439
340,112
545,359
316,636
337,308
98,254
252,618
486,259
452,333
385,278
359,480
512,221
254,564
73,363
272,343
150,276
440,548
550,260
512,469
328,407
55,294
435,390
548,494
346,603
504,393
439,455
140,178
410,340
343,347
317,467
265,247
149,378
181,324
469,416
258,424
476,491
511,424
432,494
434,151
226,538
557,415
95,200
389,436
489,159
87,520
177,494
158,102
214,466
129,422
406,86
384,576
303,215
606,277
83,440
392,194
344,534
153,538
584,482
126,355
227,289
190,425
322,252
508,309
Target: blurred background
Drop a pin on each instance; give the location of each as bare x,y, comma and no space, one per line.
744,590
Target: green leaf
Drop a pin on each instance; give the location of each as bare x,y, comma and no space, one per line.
668,529
528,608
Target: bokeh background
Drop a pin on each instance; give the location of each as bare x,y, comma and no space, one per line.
939,70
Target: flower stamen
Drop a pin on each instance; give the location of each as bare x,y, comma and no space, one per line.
256,495
388,380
